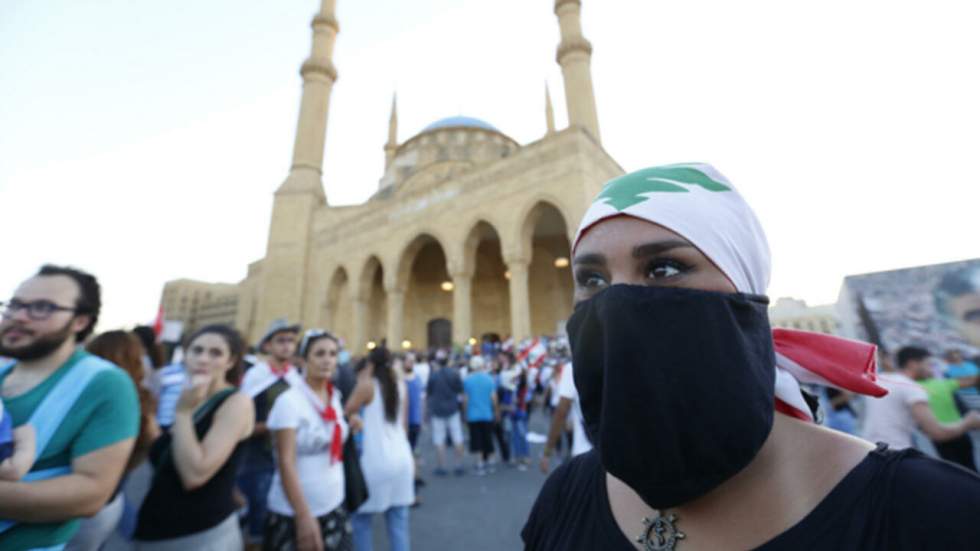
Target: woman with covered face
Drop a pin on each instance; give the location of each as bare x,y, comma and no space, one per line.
704,439
306,502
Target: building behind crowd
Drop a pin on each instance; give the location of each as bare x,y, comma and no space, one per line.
935,306
791,313
198,303
467,235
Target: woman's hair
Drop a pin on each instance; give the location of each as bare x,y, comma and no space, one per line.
150,347
311,338
236,347
380,358
125,350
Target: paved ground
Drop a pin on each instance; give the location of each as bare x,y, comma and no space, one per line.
476,513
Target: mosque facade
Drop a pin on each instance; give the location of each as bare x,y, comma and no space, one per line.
467,235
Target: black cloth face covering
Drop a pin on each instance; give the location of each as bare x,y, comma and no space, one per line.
676,385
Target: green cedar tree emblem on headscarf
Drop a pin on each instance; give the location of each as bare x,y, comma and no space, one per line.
630,189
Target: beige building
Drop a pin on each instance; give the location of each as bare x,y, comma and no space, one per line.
198,303
791,313
468,233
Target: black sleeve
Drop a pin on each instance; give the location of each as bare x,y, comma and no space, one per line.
535,532
935,505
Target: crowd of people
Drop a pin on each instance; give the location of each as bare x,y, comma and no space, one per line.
291,444
696,408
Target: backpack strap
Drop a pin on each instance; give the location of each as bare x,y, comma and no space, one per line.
54,408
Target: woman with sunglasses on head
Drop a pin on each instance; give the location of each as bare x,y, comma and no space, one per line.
190,504
306,511
703,437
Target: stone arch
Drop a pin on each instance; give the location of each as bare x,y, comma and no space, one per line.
545,238
489,290
422,272
528,218
371,292
338,316
398,278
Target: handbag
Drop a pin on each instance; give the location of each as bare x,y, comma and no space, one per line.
355,487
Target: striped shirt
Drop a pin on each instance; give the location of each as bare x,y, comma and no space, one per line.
169,384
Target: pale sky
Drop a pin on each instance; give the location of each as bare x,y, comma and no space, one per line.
142,141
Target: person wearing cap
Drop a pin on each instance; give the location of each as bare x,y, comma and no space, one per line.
703,437
264,382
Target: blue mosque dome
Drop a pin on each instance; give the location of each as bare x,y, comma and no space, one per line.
450,122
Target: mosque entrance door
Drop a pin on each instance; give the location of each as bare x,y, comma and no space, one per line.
440,333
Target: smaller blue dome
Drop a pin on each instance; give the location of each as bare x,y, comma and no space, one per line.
450,122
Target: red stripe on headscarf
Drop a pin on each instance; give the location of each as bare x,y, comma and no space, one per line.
786,409
844,363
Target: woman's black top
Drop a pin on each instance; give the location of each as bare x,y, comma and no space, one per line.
169,511
892,500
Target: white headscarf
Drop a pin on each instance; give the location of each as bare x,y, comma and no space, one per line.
698,203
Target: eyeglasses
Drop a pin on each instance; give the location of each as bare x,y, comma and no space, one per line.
38,310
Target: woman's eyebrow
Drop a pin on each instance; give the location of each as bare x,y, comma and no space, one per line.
657,247
589,258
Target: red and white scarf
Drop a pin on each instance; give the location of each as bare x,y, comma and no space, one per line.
329,415
698,203
263,375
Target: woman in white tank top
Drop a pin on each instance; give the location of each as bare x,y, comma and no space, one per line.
386,457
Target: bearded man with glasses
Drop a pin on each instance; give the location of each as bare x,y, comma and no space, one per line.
84,409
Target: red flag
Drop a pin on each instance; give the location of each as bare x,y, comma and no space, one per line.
158,323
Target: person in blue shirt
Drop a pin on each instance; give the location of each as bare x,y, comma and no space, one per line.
957,367
481,410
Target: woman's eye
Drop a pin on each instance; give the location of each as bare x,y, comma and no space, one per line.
662,269
590,280
197,350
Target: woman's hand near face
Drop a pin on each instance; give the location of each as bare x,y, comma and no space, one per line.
193,394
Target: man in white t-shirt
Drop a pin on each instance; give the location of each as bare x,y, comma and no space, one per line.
568,409
422,368
893,418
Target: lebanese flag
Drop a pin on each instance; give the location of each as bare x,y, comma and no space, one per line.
533,354
158,323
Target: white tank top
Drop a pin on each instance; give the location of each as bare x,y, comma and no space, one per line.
386,457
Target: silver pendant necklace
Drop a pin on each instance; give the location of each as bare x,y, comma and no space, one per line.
659,533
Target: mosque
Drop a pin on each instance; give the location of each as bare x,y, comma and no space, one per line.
466,237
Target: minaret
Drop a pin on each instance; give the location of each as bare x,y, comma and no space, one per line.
392,145
549,111
319,75
285,268
574,56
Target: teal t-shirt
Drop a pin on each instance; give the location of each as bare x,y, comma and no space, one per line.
106,412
